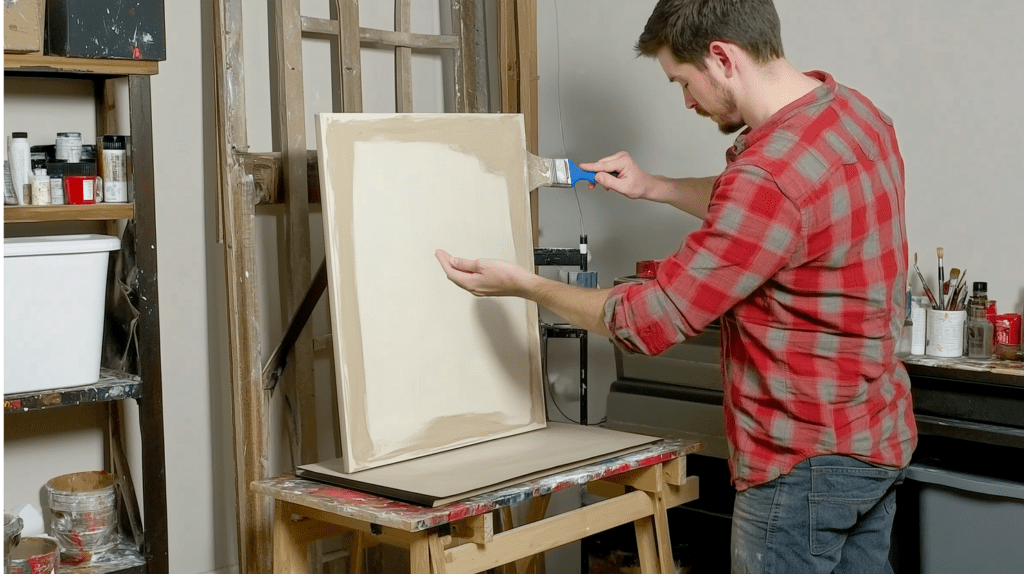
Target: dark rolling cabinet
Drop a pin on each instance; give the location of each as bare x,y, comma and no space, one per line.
148,553
961,508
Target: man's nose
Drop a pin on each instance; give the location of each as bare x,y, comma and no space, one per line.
690,102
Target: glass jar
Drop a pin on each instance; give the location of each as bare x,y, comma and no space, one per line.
979,334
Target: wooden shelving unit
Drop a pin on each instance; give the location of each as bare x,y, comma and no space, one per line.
39,213
112,386
145,386
50,64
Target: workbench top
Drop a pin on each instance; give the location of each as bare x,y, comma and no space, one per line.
413,518
993,371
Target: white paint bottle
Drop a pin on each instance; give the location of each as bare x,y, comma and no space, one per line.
20,156
114,168
918,306
40,187
56,171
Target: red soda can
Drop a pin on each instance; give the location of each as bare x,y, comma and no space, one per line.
1007,328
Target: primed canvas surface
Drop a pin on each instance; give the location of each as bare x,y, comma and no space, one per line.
423,366
433,480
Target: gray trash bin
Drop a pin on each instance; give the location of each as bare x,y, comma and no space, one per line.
969,523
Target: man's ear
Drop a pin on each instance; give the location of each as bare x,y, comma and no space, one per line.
722,56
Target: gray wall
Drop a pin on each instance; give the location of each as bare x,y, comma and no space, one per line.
948,72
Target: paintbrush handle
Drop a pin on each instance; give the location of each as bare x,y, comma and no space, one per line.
942,294
927,290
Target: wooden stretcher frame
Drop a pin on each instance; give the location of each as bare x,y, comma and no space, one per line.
289,175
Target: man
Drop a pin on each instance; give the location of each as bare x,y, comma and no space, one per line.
803,256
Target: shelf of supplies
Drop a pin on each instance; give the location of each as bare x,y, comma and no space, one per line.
96,212
112,386
41,63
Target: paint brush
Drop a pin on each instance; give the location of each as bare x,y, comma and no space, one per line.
960,290
942,298
546,172
949,286
924,285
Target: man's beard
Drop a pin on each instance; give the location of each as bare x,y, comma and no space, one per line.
730,105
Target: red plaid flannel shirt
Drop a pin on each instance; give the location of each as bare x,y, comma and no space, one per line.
803,255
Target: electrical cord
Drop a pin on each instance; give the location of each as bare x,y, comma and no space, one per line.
561,127
579,205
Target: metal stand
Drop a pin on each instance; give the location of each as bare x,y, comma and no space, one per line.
577,258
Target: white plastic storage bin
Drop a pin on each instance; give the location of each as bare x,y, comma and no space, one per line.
54,293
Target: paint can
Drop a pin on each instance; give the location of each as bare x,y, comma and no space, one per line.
81,185
69,146
647,269
35,556
11,537
84,514
945,333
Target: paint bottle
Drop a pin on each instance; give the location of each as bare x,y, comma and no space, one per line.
56,171
20,157
918,315
113,168
905,343
40,187
979,334
69,146
9,197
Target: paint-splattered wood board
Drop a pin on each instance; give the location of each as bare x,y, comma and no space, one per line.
413,518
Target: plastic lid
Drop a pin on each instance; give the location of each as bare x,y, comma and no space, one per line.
80,168
69,134
980,286
115,142
59,244
19,135
56,168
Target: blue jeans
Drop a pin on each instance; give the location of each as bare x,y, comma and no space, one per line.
831,514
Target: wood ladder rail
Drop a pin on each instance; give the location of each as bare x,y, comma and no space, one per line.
289,175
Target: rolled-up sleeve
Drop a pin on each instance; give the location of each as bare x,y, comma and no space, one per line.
751,232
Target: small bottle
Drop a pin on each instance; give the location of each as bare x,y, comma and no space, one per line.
20,156
905,342
113,168
56,171
979,334
40,187
979,295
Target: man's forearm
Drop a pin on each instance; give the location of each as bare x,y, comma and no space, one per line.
690,194
583,308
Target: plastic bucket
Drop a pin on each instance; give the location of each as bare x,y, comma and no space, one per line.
12,535
84,509
35,556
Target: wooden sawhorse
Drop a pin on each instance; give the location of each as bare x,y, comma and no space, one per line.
459,538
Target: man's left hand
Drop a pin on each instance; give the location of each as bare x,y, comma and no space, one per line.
484,277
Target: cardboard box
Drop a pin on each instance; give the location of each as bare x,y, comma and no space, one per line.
23,25
120,29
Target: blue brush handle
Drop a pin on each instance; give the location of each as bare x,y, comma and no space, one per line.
577,175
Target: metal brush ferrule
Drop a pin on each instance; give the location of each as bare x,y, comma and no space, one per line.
560,173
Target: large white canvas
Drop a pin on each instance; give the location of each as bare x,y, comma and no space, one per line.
423,366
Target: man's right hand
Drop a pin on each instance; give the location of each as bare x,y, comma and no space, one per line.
631,182
688,194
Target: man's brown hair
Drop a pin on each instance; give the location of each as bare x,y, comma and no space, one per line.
688,27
